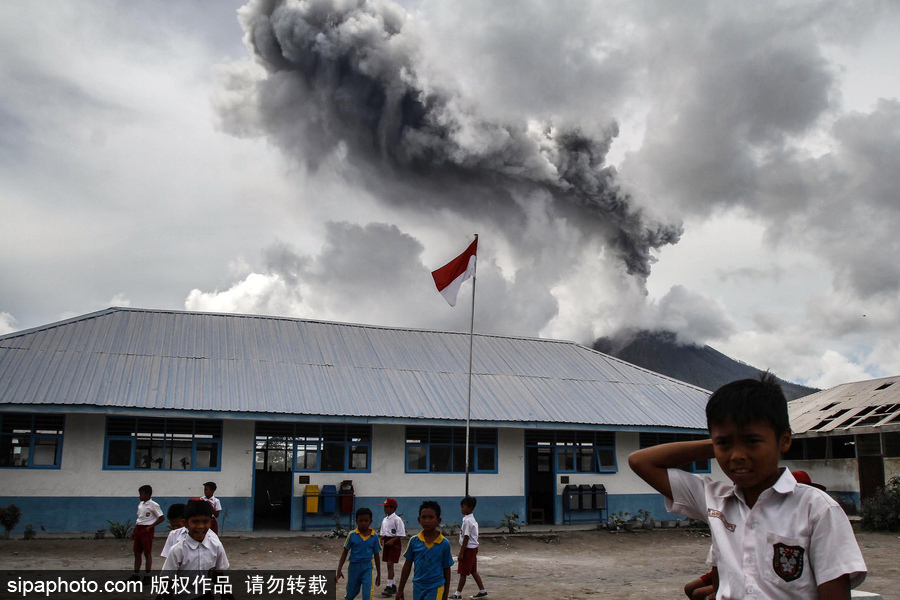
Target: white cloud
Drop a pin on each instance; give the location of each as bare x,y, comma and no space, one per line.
8,323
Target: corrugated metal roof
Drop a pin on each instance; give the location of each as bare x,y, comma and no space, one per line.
155,359
849,408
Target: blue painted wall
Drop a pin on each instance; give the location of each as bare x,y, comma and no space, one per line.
57,515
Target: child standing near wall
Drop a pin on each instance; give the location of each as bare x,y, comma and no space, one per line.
392,532
431,554
362,546
149,515
467,562
209,489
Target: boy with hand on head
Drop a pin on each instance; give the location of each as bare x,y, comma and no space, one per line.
467,562
175,516
362,546
391,533
771,537
431,554
209,488
197,551
149,515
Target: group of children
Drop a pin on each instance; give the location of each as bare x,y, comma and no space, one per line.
193,542
771,537
428,554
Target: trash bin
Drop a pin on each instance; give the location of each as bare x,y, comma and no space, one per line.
584,496
346,496
329,499
312,498
570,495
599,494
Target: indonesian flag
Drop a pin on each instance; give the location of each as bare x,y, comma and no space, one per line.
450,277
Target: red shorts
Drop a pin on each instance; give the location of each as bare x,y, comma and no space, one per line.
468,562
143,539
214,525
391,554
707,579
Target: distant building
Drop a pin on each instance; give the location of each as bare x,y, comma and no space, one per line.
95,406
848,437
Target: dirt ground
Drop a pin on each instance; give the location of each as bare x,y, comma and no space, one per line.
566,565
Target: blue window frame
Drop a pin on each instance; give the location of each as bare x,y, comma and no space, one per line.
31,441
579,451
165,444
649,439
443,450
313,447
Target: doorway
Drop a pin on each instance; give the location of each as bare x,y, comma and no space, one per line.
273,482
871,476
540,485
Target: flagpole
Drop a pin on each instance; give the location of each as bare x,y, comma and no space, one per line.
469,401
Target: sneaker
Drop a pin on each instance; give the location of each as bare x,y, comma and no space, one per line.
455,596
389,591
134,577
479,595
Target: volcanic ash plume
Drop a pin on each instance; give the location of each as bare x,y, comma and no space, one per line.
342,75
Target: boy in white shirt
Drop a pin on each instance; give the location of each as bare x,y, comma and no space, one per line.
771,537
467,562
391,533
198,551
209,488
175,515
149,515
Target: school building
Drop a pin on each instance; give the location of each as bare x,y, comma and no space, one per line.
848,437
95,406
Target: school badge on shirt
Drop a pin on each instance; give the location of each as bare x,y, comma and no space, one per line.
788,561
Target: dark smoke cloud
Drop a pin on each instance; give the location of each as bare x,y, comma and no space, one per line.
344,78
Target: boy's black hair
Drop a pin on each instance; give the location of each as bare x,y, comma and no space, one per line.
469,501
176,511
197,508
433,505
145,488
748,400
363,511
211,485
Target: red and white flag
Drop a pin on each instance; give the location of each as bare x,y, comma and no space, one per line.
450,277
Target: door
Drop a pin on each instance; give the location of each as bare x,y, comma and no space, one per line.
871,475
540,485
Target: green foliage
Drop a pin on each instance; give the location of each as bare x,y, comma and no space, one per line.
120,531
511,522
9,517
644,516
620,518
882,513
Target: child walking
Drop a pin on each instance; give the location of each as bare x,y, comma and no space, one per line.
392,532
149,515
772,538
467,562
362,547
431,554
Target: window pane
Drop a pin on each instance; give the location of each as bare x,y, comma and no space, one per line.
359,457
585,460
486,460
441,459
207,455
332,456
119,454
459,458
815,448
565,459
607,459
178,454
45,452
306,456
148,454
417,458
842,446
14,450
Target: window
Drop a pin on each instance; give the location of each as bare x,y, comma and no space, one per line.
843,446
164,444
891,444
313,447
31,441
579,451
443,450
649,439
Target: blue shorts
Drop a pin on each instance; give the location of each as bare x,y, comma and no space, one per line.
361,579
428,593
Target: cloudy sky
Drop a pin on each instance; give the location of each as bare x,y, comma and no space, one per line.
724,170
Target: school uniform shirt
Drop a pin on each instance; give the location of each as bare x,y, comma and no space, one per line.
216,504
793,539
429,560
176,535
362,548
148,512
392,526
191,555
469,528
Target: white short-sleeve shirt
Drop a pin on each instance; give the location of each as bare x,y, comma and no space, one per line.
392,526
176,535
191,555
214,502
148,512
469,528
793,539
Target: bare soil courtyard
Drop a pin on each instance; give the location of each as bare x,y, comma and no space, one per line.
566,565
